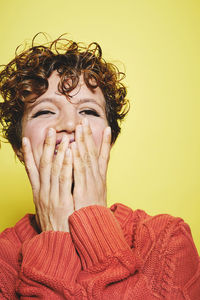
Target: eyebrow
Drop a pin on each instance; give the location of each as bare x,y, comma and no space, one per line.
85,100
48,99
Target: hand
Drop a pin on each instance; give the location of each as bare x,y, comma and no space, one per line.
90,168
51,184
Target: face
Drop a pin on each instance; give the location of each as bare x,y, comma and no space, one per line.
54,110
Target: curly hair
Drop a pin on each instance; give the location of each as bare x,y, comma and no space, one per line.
26,78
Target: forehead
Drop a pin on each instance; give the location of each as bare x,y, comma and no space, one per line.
80,92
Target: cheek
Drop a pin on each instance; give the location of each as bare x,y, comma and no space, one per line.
36,136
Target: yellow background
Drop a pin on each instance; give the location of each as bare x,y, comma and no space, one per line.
155,164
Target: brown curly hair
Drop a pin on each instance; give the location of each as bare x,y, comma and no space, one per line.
26,78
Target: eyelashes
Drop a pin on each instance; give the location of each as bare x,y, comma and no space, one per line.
89,112
42,112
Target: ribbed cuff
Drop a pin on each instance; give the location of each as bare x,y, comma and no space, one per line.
51,254
97,235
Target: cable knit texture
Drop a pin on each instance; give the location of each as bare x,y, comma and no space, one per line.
114,253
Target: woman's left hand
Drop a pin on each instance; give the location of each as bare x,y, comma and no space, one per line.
90,167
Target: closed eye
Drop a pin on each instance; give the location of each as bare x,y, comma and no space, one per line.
42,112
90,112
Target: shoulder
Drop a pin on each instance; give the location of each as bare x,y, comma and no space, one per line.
170,258
165,234
143,228
11,240
22,230
164,243
150,230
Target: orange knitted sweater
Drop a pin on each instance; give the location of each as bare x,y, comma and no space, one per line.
112,253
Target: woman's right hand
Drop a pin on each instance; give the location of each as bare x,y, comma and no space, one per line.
51,183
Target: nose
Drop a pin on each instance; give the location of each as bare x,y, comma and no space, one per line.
68,119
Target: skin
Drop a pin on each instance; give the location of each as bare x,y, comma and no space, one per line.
66,141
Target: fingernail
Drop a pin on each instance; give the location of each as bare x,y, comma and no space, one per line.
108,130
79,128
50,131
64,138
85,121
74,147
24,141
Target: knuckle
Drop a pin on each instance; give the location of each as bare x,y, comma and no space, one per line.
77,154
62,178
88,130
89,164
44,162
57,164
94,153
34,190
28,167
61,147
48,142
81,168
87,160
81,138
55,169
104,157
66,162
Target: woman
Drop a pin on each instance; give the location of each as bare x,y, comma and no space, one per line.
61,112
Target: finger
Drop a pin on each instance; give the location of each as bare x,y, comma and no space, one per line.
30,166
65,181
105,152
79,138
59,157
57,166
80,143
91,155
46,163
79,169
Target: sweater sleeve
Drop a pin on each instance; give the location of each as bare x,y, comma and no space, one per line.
49,268
185,263
107,259
8,269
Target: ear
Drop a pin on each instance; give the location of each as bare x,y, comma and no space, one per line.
19,154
